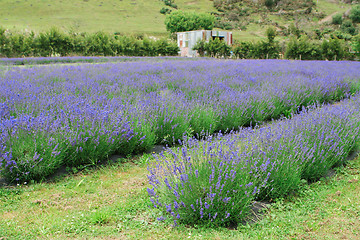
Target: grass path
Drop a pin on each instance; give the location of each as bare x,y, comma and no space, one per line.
112,203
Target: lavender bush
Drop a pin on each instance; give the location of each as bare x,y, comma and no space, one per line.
92,111
214,182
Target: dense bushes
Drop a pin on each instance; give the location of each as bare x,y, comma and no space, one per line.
355,14
213,48
348,27
302,48
337,19
257,50
57,43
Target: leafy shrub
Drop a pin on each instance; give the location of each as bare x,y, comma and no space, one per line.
270,3
266,50
337,19
319,34
170,3
200,47
217,48
333,49
303,49
165,48
213,48
341,35
19,43
52,43
271,34
165,10
223,24
348,27
244,50
294,30
355,14
100,44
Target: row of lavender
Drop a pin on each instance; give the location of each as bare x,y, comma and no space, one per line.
214,182
59,60
73,115
50,60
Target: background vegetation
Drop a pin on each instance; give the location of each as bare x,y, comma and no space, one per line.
58,43
55,42
245,18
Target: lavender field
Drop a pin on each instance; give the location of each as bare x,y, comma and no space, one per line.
73,115
214,182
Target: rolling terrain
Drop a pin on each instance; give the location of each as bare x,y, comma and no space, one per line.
144,17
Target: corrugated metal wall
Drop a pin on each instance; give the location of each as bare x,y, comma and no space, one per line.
187,40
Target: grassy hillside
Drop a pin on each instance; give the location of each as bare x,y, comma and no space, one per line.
143,16
126,16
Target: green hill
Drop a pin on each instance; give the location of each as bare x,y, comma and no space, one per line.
246,18
125,16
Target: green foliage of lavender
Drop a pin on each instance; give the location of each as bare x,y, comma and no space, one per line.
52,116
214,182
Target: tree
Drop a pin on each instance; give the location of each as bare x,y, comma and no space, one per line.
179,21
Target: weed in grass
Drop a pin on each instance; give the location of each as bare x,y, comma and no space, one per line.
100,217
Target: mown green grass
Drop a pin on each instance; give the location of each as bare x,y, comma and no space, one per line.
112,202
